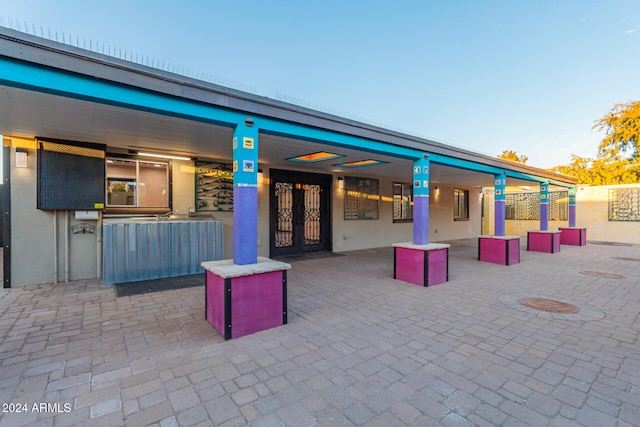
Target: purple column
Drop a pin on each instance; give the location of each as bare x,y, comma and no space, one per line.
544,206
572,215
421,201
245,225
245,193
572,207
500,182
421,220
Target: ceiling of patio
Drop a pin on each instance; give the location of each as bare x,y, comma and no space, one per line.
27,113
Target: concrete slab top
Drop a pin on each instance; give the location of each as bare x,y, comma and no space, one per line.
427,247
492,236
544,231
227,269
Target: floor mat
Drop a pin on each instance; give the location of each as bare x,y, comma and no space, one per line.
307,256
157,285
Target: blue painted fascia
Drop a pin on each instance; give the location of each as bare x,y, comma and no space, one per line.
309,134
39,78
464,164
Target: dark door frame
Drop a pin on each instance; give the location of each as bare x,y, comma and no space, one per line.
297,177
6,215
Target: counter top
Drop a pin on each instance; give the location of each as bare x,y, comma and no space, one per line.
227,269
427,247
153,220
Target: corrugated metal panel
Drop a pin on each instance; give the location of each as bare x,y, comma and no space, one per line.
146,250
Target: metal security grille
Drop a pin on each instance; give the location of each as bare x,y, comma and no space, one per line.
624,204
526,206
284,222
311,214
559,206
71,149
70,176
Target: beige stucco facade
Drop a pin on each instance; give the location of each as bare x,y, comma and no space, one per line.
44,250
592,213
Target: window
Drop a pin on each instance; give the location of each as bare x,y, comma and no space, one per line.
137,183
361,198
460,204
402,202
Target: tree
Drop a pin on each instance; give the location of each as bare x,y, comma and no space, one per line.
512,156
602,170
622,130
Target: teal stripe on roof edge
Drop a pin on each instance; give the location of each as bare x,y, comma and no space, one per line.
24,75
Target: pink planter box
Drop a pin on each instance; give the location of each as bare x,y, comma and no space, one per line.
573,236
504,250
543,241
423,265
241,300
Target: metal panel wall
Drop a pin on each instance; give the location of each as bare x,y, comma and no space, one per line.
150,250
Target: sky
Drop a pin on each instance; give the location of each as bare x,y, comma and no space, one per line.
484,75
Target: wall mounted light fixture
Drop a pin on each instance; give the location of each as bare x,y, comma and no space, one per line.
21,158
340,182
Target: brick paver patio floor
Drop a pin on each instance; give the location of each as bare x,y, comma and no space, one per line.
360,349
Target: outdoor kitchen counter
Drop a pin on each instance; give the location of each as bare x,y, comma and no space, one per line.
143,248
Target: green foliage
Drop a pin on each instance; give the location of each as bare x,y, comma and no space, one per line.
602,171
618,160
622,130
512,156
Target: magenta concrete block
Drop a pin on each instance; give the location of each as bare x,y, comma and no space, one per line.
504,250
214,310
247,298
256,303
438,263
410,265
574,236
543,241
424,265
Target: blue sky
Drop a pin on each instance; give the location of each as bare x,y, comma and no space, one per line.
491,75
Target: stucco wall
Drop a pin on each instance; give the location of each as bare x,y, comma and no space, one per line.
512,227
383,232
593,213
32,233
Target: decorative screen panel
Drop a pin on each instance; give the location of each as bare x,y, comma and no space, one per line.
526,206
624,204
214,187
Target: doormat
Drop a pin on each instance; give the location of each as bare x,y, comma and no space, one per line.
158,285
307,256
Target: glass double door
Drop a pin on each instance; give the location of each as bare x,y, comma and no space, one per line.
299,212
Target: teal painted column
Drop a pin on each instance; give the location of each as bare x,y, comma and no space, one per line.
500,184
245,193
572,207
544,206
421,201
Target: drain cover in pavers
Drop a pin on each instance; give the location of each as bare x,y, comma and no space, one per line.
603,274
549,305
551,308
622,258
